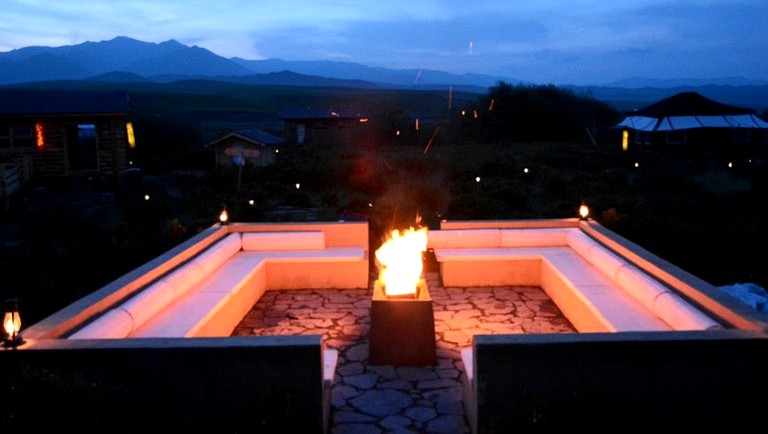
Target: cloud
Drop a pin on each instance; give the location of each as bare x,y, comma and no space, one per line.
544,37
409,44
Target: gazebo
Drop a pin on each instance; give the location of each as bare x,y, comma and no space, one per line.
688,118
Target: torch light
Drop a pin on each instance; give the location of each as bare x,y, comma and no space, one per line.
12,324
224,216
583,212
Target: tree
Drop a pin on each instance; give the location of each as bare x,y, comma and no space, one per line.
538,113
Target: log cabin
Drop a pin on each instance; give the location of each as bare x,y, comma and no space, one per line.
54,134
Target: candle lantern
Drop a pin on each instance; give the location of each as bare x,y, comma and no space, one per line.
12,324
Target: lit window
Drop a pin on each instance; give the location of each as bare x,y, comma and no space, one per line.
39,136
131,136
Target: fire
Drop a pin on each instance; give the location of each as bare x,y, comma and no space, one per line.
400,261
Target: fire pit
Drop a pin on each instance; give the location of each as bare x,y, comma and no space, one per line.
402,317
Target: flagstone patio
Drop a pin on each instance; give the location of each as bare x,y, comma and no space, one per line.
417,399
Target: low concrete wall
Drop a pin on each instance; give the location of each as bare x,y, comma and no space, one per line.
616,382
522,272
101,300
63,322
239,384
337,234
201,384
719,306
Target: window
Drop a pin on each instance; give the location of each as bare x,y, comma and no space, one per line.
16,137
82,151
5,137
677,137
22,137
131,136
642,138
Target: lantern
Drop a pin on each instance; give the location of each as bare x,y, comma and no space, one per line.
12,324
583,211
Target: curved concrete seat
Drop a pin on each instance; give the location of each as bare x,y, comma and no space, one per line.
210,293
271,241
152,300
595,288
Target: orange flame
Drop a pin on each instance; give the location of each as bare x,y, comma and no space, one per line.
400,261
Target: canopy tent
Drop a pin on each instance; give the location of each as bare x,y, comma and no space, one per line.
687,111
671,123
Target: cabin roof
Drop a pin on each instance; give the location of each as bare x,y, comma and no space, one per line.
252,135
690,104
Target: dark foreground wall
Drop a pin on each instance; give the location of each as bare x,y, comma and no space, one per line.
621,382
233,385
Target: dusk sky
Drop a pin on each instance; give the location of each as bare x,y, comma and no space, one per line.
546,41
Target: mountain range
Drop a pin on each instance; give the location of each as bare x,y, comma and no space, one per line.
127,60
172,61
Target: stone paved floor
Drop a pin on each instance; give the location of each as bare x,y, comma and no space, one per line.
402,399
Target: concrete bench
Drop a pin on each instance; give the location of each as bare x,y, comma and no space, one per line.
597,290
208,295
589,299
600,292
214,306
126,318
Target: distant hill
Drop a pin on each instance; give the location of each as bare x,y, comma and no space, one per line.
282,78
384,76
118,77
628,99
668,83
126,60
172,59
119,54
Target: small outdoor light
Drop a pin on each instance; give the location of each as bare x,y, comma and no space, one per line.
224,216
12,324
298,186
583,212
625,140
477,179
